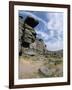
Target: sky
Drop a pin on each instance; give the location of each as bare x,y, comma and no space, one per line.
50,27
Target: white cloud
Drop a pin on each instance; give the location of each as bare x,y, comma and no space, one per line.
55,24
44,35
55,21
55,46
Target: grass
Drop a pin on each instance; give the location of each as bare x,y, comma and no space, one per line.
29,66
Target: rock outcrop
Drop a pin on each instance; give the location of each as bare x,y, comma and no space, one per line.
27,37
26,31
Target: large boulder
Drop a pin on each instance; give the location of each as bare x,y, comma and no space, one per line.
46,71
31,21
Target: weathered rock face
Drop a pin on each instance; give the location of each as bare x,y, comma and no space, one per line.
26,30
27,37
38,46
27,34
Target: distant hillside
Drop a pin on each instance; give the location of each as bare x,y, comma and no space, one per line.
55,53
58,51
